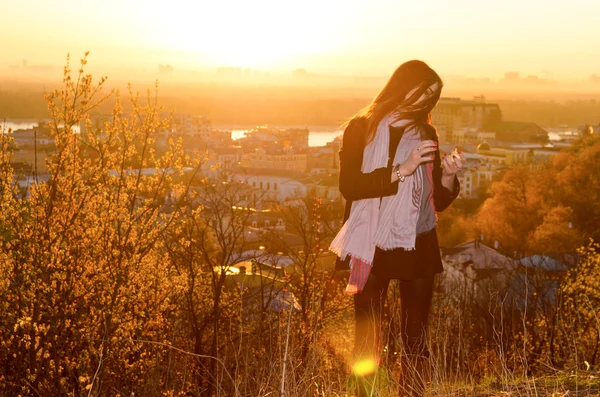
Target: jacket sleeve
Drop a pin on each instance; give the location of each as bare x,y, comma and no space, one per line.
442,197
354,184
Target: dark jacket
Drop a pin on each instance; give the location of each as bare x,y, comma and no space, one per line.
356,185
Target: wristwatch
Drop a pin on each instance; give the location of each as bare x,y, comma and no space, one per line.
396,169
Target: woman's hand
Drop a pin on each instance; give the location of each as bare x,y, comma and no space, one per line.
424,152
453,162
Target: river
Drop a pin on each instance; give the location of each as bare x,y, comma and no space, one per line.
318,136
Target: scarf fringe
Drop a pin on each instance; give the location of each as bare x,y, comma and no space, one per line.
343,255
393,248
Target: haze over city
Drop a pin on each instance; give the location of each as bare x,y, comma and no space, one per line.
550,39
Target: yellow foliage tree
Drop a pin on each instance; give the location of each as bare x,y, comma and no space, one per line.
578,342
84,275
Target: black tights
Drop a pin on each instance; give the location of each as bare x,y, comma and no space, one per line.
415,302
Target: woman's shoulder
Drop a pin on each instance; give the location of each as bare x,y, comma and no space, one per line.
354,131
356,122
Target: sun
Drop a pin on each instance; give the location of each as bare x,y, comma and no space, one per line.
240,34
252,51
238,45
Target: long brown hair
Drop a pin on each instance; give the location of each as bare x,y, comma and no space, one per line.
392,98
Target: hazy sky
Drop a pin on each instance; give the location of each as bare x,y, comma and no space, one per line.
472,37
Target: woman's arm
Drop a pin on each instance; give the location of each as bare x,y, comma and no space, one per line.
354,184
445,188
448,182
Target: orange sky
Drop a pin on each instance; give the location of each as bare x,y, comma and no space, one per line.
549,38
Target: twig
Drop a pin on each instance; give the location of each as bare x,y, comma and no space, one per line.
32,388
96,374
287,340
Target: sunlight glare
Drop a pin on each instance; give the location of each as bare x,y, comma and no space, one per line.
364,367
245,34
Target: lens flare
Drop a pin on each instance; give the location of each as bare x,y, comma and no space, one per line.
364,367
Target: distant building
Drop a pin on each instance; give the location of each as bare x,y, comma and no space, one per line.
447,118
299,73
165,70
324,159
261,135
266,222
466,136
501,155
187,124
296,137
512,77
221,136
516,131
477,113
472,179
517,153
477,172
463,136
452,114
284,159
486,136
263,286
223,157
466,180
482,258
477,272
564,134
27,139
538,278
336,145
327,191
272,184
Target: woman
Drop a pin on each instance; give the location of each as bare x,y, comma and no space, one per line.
392,178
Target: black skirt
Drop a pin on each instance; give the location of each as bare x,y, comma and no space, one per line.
423,261
398,264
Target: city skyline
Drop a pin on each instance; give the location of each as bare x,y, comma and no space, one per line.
547,39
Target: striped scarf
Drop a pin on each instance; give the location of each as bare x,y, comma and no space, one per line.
386,223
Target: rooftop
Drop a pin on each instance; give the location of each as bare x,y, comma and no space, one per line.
543,262
477,253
